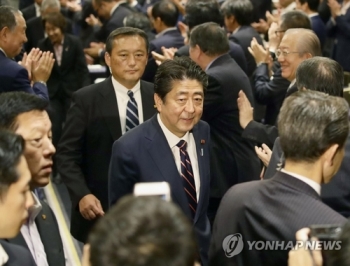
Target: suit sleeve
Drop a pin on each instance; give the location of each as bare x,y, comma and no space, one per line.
21,83
122,174
212,100
343,24
70,150
275,161
238,55
260,133
266,89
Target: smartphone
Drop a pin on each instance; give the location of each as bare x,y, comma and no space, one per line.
159,189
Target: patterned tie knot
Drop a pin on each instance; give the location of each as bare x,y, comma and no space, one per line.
130,94
182,145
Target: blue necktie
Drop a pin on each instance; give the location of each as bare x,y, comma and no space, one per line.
132,114
187,177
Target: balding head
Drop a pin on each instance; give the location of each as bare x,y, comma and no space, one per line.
296,46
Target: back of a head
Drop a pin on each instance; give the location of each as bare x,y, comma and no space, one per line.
295,19
166,11
242,10
7,17
13,104
11,149
313,4
306,41
211,38
50,5
320,74
138,21
310,122
202,11
143,231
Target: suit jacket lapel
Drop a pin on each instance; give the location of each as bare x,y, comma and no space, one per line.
65,51
163,157
147,102
109,108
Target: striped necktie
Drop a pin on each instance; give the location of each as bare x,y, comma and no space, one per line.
187,177
132,114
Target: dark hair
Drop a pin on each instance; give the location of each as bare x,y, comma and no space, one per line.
313,4
139,21
56,19
310,122
125,31
167,12
199,12
8,17
211,38
11,150
242,10
320,74
13,104
180,68
143,231
295,19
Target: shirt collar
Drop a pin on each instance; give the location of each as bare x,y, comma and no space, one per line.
236,30
164,31
37,10
171,138
35,209
313,15
3,256
2,50
311,183
206,69
292,83
123,90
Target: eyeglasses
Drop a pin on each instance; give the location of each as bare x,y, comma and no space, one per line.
284,53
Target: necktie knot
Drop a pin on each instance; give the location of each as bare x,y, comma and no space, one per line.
182,145
130,94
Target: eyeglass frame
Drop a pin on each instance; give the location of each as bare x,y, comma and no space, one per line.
285,54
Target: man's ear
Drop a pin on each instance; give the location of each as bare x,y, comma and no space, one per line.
330,153
158,102
107,59
4,32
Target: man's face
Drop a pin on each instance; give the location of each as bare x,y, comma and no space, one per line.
102,9
35,128
16,38
128,59
291,61
182,107
229,23
15,202
300,6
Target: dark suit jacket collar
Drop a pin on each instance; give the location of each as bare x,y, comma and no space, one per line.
220,60
162,155
295,183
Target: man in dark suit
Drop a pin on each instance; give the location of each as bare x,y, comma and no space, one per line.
98,117
289,58
14,77
32,11
238,16
172,146
164,17
113,13
273,210
233,158
15,198
35,28
197,13
329,76
26,115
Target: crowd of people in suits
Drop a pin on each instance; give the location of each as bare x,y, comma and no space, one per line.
236,105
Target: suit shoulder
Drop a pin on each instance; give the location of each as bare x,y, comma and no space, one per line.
147,85
89,91
18,255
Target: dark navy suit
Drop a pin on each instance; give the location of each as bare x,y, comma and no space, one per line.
143,155
171,38
18,255
319,28
14,77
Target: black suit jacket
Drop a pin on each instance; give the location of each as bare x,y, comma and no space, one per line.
73,73
29,12
114,22
18,256
84,151
35,32
144,155
243,37
236,52
233,158
336,194
171,38
267,210
319,27
50,236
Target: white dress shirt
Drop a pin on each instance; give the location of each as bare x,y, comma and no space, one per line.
311,183
191,150
3,256
31,235
121,93
37,10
